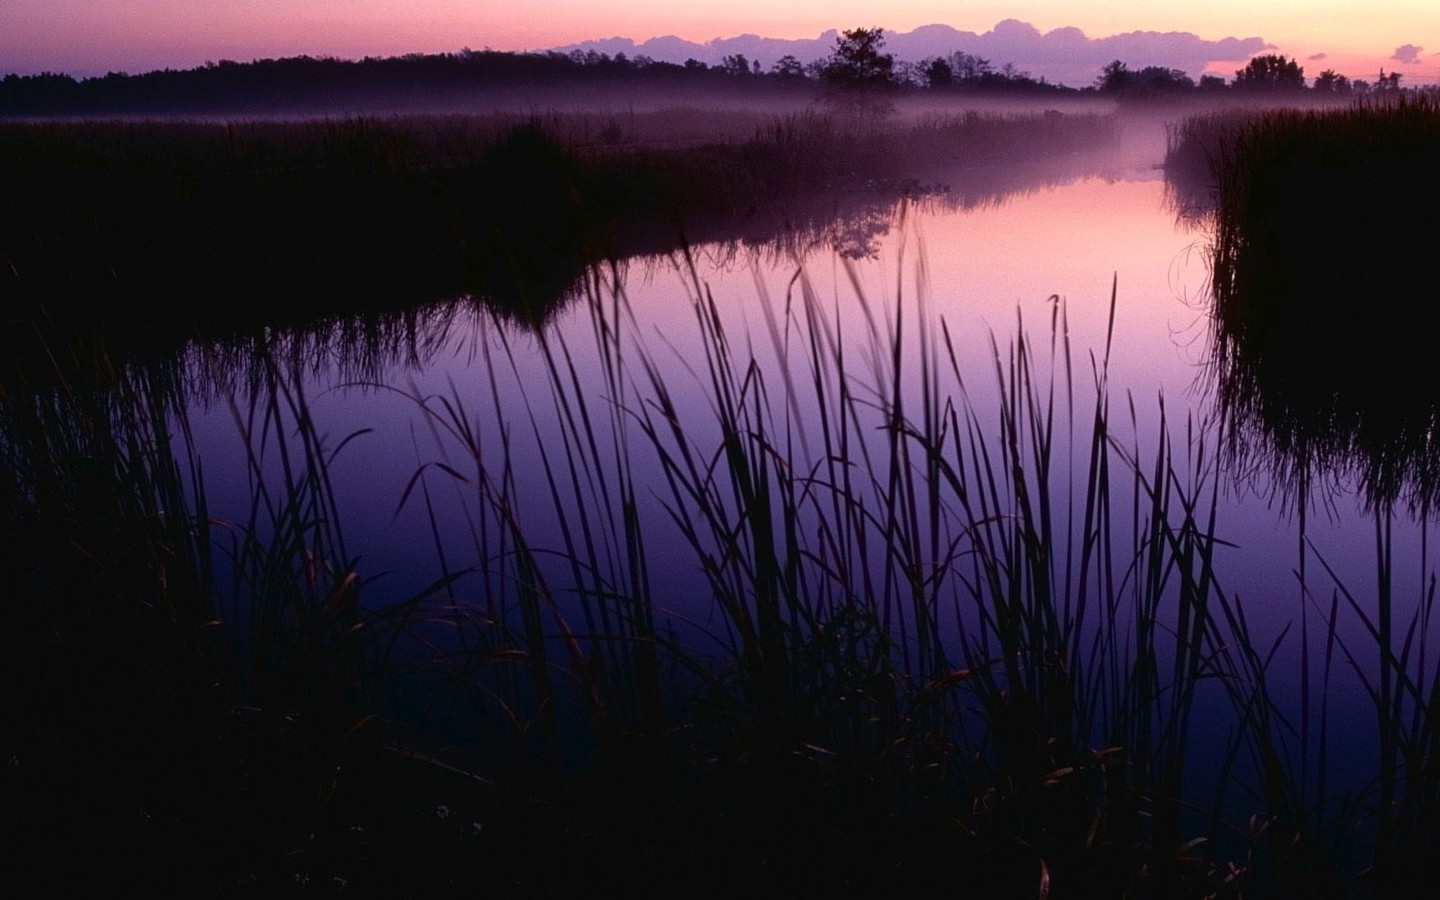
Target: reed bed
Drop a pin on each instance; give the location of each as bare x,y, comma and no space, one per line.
1323,298
176,680
280,223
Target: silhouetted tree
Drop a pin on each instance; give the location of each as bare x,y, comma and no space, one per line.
1164,80
1328,82
788,66
1012,72
736,64
969,67
908,73
857,61
1270,72
860,77
1116,76
939,74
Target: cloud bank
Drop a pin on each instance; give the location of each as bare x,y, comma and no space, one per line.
1065,55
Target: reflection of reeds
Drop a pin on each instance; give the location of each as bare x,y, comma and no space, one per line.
1325,298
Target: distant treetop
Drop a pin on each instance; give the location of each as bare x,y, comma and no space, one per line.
857,61
1270,72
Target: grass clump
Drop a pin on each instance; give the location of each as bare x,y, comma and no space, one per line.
1323,297
940,648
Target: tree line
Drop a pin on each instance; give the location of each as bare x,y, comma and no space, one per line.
1269,72
857,63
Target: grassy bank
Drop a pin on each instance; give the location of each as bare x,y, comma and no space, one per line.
157,232
1325,301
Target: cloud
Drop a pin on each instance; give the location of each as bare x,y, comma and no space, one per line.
1316,57
1409,53
1065,55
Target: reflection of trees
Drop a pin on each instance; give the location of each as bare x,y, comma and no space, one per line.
526,283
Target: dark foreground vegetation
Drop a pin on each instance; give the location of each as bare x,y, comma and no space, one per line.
1326,300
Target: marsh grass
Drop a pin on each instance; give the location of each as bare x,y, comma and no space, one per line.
282,223
193,698
1324,377
1323,295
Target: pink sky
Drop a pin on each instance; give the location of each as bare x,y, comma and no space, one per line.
86,37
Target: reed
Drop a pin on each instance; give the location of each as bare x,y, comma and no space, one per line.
1317,276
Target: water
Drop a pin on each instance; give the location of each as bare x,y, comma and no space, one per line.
987,271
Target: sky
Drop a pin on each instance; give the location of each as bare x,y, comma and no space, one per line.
92,37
